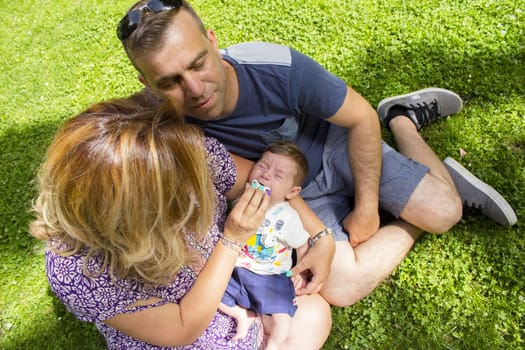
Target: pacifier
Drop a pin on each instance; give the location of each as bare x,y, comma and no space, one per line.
258,186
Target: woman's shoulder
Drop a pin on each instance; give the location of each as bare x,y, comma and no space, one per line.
215,148
221,165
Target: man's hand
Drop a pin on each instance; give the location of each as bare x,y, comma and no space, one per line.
318,261
361,226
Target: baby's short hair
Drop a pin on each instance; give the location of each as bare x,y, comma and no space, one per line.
289,149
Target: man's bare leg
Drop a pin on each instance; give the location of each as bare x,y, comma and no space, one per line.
405,115
356,272
434,206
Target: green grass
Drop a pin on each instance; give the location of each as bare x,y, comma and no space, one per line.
461,290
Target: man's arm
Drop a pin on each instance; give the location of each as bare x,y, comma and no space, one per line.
318,259
364,149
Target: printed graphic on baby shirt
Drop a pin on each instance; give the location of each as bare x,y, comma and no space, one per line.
266,252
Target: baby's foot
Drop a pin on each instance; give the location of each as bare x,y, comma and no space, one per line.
243,325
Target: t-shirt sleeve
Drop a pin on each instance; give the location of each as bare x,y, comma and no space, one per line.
314,91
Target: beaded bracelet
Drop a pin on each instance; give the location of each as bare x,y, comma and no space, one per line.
234,245
327,231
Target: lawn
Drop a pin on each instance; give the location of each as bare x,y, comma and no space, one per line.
461,290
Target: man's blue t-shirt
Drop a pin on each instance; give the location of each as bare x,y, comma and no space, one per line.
283,94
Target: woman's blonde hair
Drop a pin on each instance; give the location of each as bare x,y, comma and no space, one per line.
129,183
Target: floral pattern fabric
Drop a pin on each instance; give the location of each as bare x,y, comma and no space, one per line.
95,299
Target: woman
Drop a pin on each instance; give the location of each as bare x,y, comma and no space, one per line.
132,205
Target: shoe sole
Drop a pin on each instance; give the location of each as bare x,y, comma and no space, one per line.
488,190
422,91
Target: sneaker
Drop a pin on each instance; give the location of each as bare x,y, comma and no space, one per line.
422,106
479,196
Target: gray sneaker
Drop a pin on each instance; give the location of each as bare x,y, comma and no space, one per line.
479,196
423,106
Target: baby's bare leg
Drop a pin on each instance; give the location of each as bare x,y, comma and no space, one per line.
242,316
278,328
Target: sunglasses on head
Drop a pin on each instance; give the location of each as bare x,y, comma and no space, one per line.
130,21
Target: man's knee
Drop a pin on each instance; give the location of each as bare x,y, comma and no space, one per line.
340,297
435,207
450,211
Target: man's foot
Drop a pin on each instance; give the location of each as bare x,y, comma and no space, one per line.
422,106
480,196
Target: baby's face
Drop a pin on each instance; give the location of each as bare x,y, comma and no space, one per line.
276,172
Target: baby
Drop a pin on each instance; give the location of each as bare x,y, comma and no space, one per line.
261,281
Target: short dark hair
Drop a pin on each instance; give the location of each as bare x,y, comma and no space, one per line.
289,149
150,34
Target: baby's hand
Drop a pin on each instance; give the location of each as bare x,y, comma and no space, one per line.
299,281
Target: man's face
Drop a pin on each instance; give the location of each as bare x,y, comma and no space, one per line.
277,172
188,71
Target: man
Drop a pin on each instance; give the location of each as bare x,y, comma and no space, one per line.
252,94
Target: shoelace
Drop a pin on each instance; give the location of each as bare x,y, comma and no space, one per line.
471,208
426,113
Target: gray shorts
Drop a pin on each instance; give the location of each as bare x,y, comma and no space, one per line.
330,194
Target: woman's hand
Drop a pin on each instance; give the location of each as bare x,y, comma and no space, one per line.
247,214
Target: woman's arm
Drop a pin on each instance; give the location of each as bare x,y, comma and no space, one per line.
180,324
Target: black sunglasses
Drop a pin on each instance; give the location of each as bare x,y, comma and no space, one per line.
130,21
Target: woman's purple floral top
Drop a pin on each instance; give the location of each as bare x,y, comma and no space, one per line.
95,299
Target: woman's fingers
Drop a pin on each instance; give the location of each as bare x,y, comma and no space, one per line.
247,214
255,204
